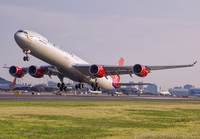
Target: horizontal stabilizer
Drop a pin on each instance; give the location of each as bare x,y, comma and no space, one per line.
5,66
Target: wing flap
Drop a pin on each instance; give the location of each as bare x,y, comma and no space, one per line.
83,68
51,70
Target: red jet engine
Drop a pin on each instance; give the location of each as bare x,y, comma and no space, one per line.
16,71
140,70
97,71
36,72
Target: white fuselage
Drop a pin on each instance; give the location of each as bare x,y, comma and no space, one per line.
45,50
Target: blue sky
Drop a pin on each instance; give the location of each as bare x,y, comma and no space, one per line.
147,32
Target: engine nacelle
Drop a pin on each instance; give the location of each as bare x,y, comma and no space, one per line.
35,71
16,71
97,71
140,70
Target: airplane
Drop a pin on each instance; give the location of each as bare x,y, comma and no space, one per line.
8,86
165,93
94,92
64,64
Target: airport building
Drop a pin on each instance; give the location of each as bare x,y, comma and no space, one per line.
186,90
195,91
140,86
179,92
131,86
151,88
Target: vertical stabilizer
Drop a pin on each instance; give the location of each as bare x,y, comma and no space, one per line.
116,78
121,62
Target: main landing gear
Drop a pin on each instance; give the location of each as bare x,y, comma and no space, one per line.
62,86
79,86
96,87
26,58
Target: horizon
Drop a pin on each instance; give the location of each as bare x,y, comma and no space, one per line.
20,82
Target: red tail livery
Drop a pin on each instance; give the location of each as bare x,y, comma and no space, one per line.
116,78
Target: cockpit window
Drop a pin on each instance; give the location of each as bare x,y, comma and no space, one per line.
23,31
20,31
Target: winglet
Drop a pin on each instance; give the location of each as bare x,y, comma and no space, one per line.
194,63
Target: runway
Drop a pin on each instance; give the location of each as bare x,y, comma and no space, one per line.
28,97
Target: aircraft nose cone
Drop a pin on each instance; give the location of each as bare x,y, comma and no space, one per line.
16,36
20,39
19,35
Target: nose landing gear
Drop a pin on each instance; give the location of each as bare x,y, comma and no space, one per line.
26,58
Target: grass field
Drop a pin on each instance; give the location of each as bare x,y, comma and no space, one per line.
99,120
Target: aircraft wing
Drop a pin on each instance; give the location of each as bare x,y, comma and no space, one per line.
48,69
25,69
119,70
109,69
169,67
129,84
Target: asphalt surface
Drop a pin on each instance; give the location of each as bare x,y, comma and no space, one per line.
28,97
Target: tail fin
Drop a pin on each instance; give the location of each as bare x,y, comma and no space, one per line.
121,62
116,78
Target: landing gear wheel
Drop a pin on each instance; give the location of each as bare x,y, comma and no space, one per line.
96,87
79,86
99,88
63,85
58,85
83,85
76,86
26,58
